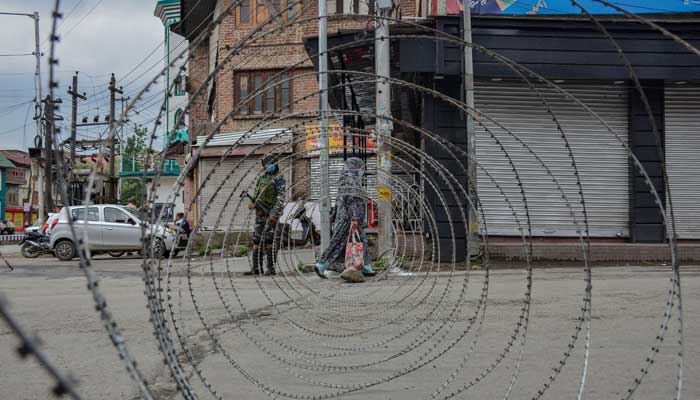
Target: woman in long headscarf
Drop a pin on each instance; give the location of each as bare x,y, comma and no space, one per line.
350,212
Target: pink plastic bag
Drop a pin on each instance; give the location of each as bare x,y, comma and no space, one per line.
354,250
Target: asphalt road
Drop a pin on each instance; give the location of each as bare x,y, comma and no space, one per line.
50,298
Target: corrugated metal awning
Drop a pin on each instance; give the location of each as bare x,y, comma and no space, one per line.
264,136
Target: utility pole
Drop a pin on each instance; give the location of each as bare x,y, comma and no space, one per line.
112,100
323,88
473,234
37,70
37,116
48,154
73,92
384,127
37,96
123,100
37,75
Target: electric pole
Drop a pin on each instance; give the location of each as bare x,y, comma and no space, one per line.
73,91
37,113
122,100
37,75
49,120
323,151
384,127
37,98
112,100
473,234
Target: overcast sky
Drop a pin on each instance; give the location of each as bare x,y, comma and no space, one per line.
97,37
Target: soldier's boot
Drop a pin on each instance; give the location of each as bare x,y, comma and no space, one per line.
270,258
257,261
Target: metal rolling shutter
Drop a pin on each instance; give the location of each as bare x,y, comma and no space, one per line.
335,168
682,125
245,177
601,159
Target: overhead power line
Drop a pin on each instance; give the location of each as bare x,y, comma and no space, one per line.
17,55
64,34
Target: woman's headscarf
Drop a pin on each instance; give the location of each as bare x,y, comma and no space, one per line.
351,178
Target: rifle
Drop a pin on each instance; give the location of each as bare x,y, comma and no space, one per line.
259,208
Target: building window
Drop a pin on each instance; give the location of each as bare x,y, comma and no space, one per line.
284,90
243,92
344,7
244,12
270,99
332,6
272,96
176,120
257,102
179,86
291,9
255,12
260,11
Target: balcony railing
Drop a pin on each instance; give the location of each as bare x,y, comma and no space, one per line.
132,167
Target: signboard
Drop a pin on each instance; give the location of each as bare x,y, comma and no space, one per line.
335,139
566,6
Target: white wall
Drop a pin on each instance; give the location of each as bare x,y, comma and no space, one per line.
163,190
176,45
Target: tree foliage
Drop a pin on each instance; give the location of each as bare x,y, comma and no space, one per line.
134,159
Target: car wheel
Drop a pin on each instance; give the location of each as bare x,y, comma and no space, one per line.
157,247
30,251
64,250
116,254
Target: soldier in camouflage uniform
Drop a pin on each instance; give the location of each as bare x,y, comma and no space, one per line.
350,211
268,202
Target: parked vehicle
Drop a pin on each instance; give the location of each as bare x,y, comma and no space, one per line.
7,227
34,244
35,227
107,228
295,237
51,221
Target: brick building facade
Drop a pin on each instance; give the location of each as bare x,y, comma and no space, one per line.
615,194
20,189
276,48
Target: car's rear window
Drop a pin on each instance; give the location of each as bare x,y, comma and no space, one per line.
79,214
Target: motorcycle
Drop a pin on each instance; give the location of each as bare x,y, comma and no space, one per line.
283,233
308,235
34,244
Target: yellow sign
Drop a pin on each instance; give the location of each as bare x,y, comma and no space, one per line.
335,139
384,193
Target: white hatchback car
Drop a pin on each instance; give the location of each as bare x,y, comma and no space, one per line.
108,228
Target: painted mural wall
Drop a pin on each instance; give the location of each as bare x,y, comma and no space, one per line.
566,6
